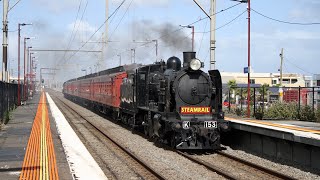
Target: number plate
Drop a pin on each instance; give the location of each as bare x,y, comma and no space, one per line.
210,124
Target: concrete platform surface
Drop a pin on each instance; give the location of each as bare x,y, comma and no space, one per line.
14,138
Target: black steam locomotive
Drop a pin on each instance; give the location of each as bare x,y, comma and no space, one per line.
180,106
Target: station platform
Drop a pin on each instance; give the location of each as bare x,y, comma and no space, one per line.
300,131
39,143
30,147
297,142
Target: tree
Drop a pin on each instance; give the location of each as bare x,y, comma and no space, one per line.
263,90
232,84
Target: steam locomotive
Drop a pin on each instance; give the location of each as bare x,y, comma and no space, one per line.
180,106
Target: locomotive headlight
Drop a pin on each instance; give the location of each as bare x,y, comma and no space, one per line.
195,64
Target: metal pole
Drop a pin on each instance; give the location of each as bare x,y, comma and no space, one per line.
156,43
254,101
249,67
241,98
19,91
299,102
133,55
313,99
192,38
281,63
229,104
212,34
24,67
263,99
5,41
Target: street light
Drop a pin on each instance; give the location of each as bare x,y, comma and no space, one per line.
192,27
24,67
19,92
90,70
119,55
84,70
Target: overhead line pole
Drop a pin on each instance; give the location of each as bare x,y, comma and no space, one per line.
281,63
5,41
249,66
212,31
212,35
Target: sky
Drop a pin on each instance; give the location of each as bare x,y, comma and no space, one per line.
80,24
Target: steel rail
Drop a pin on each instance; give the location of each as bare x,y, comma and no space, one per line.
131,154
226,174
209,166
256,166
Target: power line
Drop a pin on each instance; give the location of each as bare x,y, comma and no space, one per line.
299,67
228,22
120,20
202,36
14,5
77,29
74,26
98,28
285,22
179,29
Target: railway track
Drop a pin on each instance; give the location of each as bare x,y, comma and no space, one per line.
255,170
143,170
227,171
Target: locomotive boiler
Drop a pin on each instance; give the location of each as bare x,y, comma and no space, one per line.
175,103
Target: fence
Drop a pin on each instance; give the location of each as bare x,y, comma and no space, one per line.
264,97
8,98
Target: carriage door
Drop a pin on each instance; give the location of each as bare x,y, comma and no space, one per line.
141,88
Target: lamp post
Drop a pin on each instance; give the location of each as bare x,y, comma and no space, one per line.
192,27
119,55
24,67
19,92
84,70
31,75
28,59
156,44
133,56
90,70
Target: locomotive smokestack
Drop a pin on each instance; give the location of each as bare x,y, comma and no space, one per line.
187,57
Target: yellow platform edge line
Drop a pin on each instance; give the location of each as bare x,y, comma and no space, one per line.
276,125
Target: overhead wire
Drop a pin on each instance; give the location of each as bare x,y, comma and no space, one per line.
179,29
202,37
302,69
226,24
120,20
74,26
13,5
285,22
98,29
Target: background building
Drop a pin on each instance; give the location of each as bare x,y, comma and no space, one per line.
272,79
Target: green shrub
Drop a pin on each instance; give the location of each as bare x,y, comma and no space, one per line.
306,114
7,117
259,113
317,114
282,111
239,112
